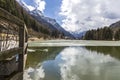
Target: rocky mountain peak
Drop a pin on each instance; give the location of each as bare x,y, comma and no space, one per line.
36,12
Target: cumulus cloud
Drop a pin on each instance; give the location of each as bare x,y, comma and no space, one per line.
88,14
34,4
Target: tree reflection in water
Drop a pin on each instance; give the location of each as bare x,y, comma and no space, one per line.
78,63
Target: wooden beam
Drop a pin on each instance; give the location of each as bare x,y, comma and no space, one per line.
8,67
21,44
18,76
10,18
9,53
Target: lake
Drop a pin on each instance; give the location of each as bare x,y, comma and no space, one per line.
76,62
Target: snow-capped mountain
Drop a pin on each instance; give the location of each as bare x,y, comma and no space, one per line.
36,12
52,23
78,34
23,4
39,16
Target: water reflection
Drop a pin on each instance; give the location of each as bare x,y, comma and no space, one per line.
34,73
81,64
114,51
39,54
76,63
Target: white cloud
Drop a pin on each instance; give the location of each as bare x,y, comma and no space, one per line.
40,4
87,14
34,4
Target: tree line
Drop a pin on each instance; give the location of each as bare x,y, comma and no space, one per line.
14,8
105,33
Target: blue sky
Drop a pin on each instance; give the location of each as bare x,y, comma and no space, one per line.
52,9
78,15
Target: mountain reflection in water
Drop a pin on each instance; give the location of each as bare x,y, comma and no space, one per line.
76,63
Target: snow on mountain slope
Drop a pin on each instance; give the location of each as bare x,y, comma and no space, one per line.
49,21
39,16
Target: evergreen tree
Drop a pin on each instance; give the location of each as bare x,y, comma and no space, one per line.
117,35
100,34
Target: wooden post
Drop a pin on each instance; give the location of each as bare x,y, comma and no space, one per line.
21,45
0,42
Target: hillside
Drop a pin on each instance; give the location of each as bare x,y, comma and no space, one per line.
34,27
51,23
115,26
111,32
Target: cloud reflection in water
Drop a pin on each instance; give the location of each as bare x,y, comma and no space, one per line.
34,74
81,64
77,63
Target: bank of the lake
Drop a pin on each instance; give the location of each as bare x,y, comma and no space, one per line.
73,43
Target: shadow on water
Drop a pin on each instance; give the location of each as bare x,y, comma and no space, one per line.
39,54
113,51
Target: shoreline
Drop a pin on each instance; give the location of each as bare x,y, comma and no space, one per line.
34,39
72,43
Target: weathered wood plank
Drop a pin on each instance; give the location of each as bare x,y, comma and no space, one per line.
21,44
10,18
18,76
9,44
9,53
7,67
15,76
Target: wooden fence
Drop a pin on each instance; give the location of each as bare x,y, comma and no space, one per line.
13,46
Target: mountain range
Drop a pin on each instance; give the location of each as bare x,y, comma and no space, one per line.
115,26
51,23
54,26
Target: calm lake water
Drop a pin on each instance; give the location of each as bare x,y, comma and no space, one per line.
73,63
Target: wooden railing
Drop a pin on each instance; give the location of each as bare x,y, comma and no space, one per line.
13,45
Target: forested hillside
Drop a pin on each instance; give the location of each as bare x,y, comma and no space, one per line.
107,33
99,34
35,28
